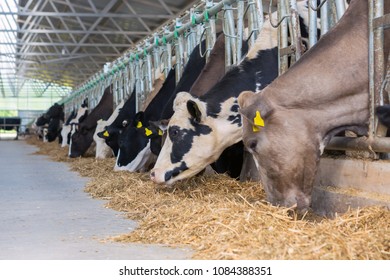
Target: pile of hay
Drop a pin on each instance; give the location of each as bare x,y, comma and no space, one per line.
221,218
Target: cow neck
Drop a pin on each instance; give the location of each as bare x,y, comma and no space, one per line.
152,112
214,69
191,72
248,75
126,112
331,83
102,111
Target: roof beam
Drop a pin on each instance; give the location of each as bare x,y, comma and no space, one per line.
48,44
63,31
93,15
12,54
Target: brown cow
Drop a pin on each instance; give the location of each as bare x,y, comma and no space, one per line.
214,69
287,125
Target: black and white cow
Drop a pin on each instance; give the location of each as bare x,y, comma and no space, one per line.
117,122
202,127
140,141
102,149
10,123
70,128
65,131
82,138
51,122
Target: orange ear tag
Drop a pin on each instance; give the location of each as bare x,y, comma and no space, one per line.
258,122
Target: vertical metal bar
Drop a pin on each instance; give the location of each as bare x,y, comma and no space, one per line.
324,18
259,14
240,29
296,31
230,32
313,23
283,39
379,62
340,8
228,46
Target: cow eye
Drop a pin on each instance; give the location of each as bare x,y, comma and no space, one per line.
173,132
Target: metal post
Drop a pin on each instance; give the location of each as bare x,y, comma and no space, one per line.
340,8
313,23
179,51
230,43
283,37
296,31
240,29
324,18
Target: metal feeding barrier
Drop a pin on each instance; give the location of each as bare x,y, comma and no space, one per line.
170,47
375,142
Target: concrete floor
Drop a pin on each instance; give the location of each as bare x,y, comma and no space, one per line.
44,214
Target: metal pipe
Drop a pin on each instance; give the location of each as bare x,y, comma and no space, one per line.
240,29
283,36
313,23
379,64
340,8
375,144
296,31
324,18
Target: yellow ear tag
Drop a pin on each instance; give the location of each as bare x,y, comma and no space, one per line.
258,121
106,134
148,132
160,132
139,124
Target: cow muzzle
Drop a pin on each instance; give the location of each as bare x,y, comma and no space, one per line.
157,176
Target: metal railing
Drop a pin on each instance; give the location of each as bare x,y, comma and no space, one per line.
138,68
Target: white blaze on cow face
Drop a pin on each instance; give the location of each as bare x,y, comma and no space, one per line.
102,149
195,140
65,133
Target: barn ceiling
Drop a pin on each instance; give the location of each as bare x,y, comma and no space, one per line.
64,42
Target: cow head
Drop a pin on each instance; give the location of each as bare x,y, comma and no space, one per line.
284,148
135,144
194,138
102,149
81,140
65,133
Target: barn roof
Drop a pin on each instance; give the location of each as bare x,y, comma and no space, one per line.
58,44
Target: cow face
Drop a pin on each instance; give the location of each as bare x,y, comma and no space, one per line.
102,149
195,139
285,150
65,133
135,144
81,140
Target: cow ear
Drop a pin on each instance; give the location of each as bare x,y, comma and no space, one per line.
181,99
194,111
246,98
139,119
161,126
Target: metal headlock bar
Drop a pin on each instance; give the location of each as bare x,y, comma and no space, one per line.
138,68
288,22
375,142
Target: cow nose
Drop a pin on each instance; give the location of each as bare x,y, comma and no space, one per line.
157,176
